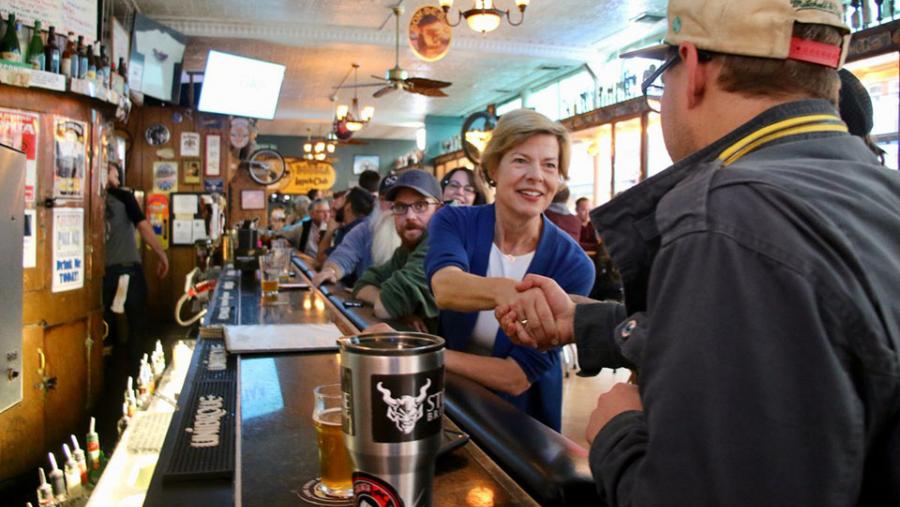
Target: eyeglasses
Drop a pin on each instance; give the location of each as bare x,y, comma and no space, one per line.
418,207
653,92
455,185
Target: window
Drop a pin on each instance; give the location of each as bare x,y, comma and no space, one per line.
657,156
509,105
546,101
627,154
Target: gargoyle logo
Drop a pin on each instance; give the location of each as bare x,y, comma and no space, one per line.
406,410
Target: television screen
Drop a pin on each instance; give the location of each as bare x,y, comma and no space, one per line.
157,51
240,86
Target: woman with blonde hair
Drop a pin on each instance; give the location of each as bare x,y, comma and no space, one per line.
478,254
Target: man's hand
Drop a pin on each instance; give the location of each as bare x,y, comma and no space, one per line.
327,274
621,398
537,333
381,327
162,267
415,322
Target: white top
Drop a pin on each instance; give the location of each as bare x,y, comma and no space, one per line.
500,265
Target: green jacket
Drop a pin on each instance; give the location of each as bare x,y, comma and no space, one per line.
404,289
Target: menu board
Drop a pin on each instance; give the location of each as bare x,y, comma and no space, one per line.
79,16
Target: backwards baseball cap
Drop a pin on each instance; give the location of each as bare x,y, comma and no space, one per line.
761,28
415,179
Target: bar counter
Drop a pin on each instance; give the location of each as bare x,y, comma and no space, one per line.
275,452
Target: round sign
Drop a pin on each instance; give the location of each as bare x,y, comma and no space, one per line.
156,134
240,132
429,33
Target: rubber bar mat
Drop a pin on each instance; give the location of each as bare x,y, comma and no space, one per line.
216,364
204,446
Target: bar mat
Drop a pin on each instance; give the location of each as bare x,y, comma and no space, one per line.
148,432
204,445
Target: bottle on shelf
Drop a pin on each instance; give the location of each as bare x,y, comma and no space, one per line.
73,475
57,480
9,48
52,54
36,48
91,73
81,51
70,57
44,490
78,454
103,66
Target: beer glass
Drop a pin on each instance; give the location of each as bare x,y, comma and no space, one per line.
335,466
270,267
393,386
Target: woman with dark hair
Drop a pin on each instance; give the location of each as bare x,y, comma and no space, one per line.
478,254
461,186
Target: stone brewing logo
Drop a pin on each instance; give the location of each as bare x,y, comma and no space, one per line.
406,410
407,407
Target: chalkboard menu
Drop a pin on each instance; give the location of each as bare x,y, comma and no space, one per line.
78,16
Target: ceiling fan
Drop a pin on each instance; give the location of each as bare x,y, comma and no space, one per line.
398,79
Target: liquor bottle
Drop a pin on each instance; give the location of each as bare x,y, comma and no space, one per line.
73,475
70,57
81,51
112,72
36,48
103,66
93,447
44,491
52,52
91,64
122,425
78,454
9,47
57,480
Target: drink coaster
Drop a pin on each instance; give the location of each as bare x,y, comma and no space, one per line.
310,493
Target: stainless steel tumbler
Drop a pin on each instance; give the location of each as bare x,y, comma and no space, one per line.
393,385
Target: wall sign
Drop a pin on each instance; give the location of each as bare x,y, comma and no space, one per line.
79,16
158,216
429,33
29,240
306,175
190,144
21,130
70,158
68,249
213,150
165,176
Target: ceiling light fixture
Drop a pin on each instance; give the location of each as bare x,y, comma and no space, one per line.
483,16
319,149
351,115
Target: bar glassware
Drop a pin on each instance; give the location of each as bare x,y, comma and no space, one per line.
335,466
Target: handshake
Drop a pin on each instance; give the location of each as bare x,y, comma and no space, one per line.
537,314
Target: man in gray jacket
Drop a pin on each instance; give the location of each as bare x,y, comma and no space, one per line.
762,280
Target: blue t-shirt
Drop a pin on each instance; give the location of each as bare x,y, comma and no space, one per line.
462,237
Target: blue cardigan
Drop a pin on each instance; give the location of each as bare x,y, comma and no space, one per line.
462,236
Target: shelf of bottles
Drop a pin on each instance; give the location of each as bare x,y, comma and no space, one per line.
31,57
862,14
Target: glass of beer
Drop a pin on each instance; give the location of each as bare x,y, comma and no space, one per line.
335,466
270,266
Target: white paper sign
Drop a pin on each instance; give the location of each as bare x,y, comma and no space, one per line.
199,229
184,204
190,144
68,249
181,232
213,144
29,241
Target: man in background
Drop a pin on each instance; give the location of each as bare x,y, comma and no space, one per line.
587,237
124,286
558,213
398,289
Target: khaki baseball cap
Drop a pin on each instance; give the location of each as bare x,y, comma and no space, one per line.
762,28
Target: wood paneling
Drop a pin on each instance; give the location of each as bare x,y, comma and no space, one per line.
64,405
22,435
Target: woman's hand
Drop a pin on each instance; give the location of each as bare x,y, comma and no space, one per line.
550,297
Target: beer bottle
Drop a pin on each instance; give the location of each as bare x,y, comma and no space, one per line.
91,64
70,57
103,65
36,48
82,57
123,71
9,47
51,52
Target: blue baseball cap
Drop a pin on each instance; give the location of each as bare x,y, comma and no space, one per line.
418,180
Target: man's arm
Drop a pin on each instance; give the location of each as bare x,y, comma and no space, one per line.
146,231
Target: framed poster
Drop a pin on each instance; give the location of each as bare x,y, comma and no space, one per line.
68,249
158,216
165,176
190,144
253,199
213,151
70,158
21,130
365,162
190,171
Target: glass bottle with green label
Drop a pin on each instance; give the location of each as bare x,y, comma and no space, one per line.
9,47
36,48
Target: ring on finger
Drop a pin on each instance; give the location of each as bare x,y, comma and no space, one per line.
524,322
